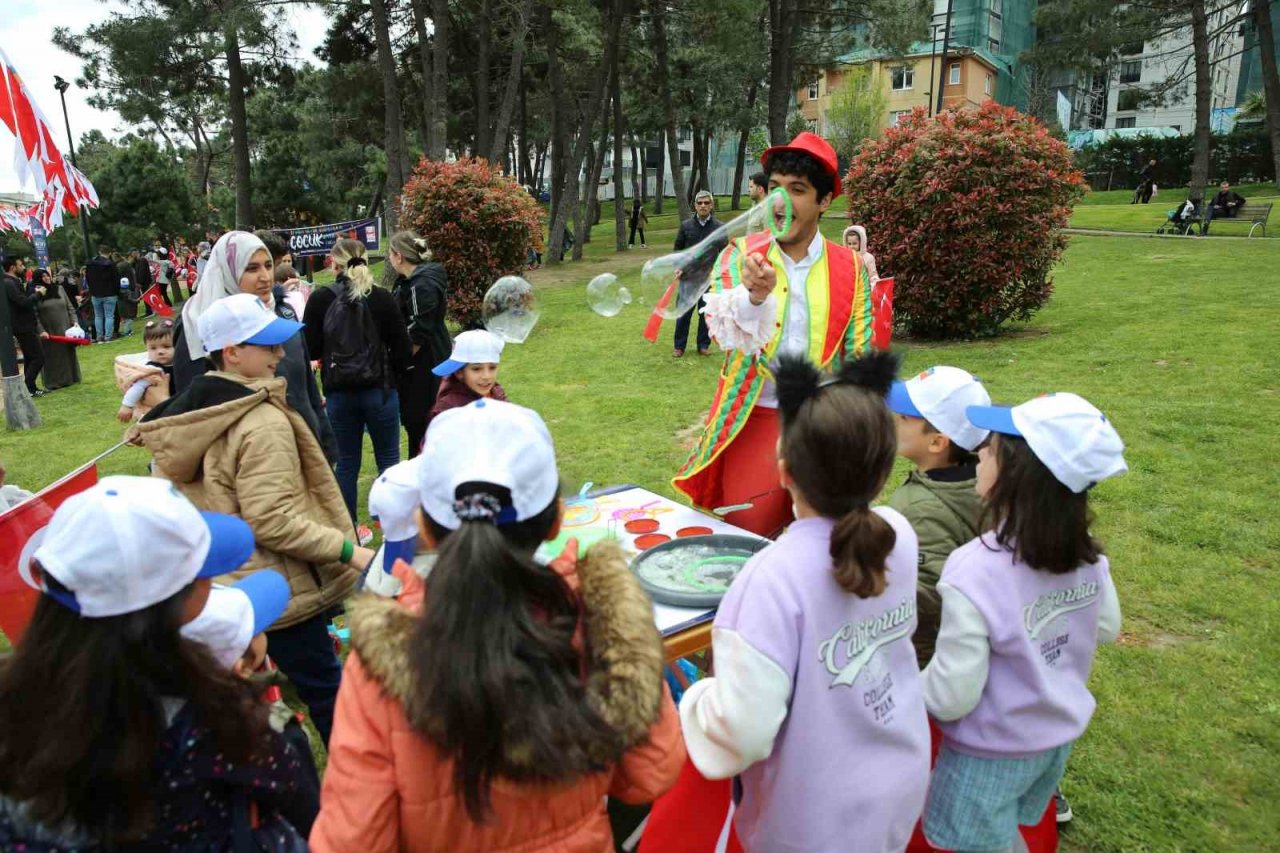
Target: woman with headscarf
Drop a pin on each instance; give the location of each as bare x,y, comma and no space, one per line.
57,314
855,238
240,263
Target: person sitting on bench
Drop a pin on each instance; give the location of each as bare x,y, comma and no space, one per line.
1226,203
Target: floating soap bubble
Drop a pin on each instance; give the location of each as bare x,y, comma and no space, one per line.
510,309
673,284
606,295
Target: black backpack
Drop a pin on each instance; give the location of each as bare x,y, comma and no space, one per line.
353,353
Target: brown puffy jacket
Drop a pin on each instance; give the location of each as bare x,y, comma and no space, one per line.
387,788
243,451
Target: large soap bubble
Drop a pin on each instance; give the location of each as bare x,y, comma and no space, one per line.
510,309
607,296
673,284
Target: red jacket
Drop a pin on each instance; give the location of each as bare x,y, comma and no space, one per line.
454,393
387,788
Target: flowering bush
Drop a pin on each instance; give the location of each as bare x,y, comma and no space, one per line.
478,223
964,210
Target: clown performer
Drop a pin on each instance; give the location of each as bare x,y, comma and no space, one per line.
796,293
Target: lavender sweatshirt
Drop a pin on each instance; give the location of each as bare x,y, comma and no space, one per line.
816,700
1009,678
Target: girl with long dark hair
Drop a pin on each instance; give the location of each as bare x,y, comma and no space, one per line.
1024,607
115,731
816,633
501,709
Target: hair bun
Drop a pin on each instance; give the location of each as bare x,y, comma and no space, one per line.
875,371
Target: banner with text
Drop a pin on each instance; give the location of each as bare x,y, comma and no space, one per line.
319,239
40,240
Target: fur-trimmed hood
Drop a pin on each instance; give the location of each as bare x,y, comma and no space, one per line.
624,670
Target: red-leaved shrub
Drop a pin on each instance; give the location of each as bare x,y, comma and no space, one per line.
479,224
964,210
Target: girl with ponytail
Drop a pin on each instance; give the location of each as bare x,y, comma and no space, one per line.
498,707
815,633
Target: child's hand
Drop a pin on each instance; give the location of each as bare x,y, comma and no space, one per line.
125,414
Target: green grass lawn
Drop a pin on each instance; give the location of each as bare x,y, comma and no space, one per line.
1125,196
1174,340
1146,218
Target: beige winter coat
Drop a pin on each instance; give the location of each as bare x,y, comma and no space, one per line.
256,458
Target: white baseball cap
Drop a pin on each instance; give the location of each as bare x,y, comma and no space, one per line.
1066,432
130,542
393,500
487,441
941,395
474,347
235,614
242,319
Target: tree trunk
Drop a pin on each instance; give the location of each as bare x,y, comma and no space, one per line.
584,213
782,27
661,191
599,169
393,125
1204,94
637,174
439,80
484,37
239,129
695,163
559,138
424,57
522,142
515,76
668,107
1270,79
739,167
619,189
595,102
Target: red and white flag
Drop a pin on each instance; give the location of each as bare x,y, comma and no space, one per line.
155,301
882,314
21,529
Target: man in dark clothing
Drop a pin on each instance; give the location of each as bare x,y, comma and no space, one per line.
104,288
1146,184
23,299
693,231
141,276
127,296
1226,203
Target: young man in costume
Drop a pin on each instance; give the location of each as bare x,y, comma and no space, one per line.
796,293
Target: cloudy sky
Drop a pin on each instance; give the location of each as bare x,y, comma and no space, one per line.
26,37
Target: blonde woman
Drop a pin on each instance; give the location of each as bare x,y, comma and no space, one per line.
356,331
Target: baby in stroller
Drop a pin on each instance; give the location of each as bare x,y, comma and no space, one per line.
1182,218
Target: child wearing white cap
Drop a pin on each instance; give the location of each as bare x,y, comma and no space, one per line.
938,496
393,500
232,443
1024,607
499,709
471,371
115,731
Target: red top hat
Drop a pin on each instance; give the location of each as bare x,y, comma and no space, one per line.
817,148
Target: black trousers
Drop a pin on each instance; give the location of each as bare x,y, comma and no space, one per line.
304,652
32,356
634,229
417,396
682,328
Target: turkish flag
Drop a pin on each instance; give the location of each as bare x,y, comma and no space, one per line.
155,301
882,314
18,526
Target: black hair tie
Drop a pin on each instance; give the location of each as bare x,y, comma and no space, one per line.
357,262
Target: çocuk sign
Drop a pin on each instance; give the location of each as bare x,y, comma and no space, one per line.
319,239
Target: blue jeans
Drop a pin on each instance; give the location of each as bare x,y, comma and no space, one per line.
304,652
350,414
104,316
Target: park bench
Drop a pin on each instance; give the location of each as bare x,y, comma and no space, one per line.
1253,213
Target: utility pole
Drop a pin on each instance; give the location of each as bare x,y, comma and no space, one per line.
946,44
62,86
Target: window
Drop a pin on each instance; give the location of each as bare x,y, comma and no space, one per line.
1128,121
1128,99
813,91
953,79
993,45
1131,71
896,118
997,7
903,78
1134,49
986,85
686,157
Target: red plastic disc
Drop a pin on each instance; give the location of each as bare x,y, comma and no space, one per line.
642,525
647,541
693,531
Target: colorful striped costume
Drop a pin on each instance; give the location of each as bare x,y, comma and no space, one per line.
838,294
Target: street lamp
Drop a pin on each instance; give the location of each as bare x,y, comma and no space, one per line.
62,86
